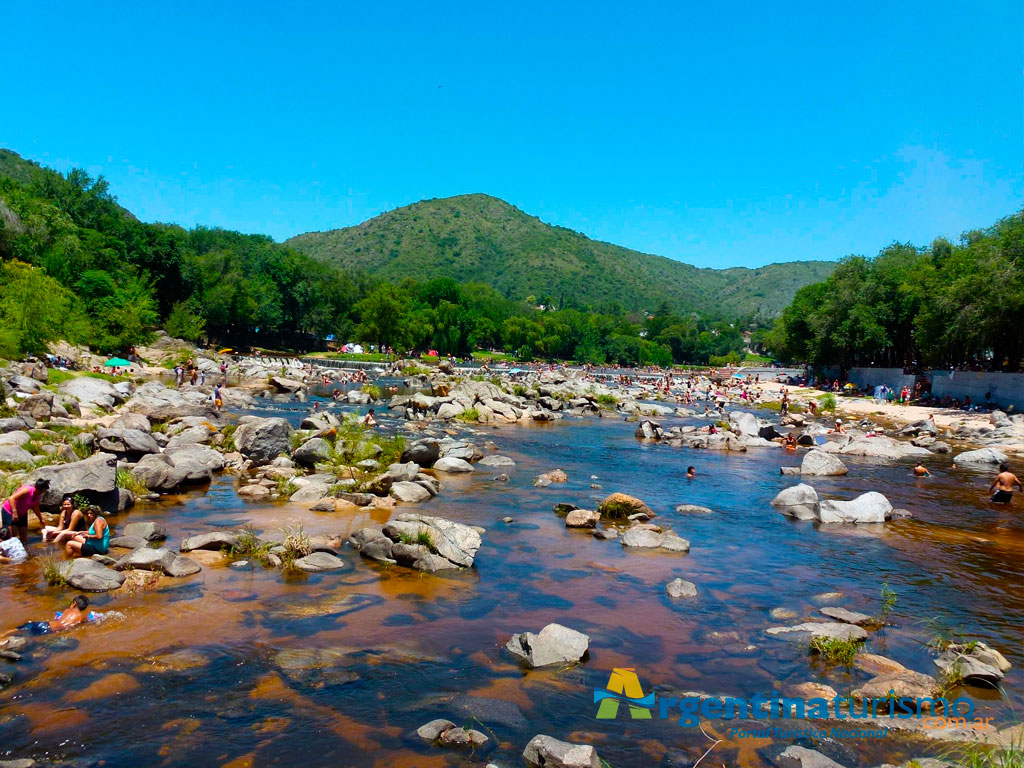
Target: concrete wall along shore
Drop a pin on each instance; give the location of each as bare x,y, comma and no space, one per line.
1006,389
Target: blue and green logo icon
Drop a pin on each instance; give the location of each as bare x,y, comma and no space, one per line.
623,685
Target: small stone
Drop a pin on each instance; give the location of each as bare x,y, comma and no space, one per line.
848,617
432,731
582,518
507,520
679,588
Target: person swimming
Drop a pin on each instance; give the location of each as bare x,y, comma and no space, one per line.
920,470
71,616
691,473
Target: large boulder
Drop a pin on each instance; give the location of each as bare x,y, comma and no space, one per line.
215,540
455,542
312,452
422,452
881,447
263,440
15,454
208,457
131,444
317,562
744,423
620,506
548,752
161,560
95,475
90,576
799,501
452,465
93,392
871,507
284,385
976,662
555,644
983,457
820,463
903,684
409,492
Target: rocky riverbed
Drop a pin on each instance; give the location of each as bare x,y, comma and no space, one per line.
388,596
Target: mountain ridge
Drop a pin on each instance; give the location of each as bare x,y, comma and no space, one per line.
480,238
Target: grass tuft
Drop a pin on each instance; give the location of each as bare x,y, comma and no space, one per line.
125,479
835,651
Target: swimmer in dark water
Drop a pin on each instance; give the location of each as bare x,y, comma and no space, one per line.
920,470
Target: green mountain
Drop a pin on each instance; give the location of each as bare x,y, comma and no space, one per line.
478,238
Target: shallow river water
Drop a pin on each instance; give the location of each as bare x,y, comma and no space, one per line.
250,667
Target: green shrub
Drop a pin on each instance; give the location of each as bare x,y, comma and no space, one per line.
611,400
828,402
53,572
297,544
250,546
835,651
125,479
470,414
372,390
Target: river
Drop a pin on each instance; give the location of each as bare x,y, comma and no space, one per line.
251,667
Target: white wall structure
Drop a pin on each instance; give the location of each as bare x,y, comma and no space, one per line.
1006,388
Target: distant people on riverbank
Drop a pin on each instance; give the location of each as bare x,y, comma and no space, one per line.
1003,485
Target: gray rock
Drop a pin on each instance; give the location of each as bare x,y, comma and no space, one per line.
93,392
980,663
548,752
454,542
132,421
320,561
204,455
582,518
409,493
693,509
826,629
984,457
127,542
799,501
823,464
144,559
312,452
452,465
795,756
678,588
422,452
287,386
215,540
848,617
89,576
263,440
496,461
432,731
13,454
97,475
905,683
147,531
554,644
404,472
871,507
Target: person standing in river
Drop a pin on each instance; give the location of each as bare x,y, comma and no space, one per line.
16,507
1003,485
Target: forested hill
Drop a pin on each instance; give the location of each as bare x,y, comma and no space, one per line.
478,238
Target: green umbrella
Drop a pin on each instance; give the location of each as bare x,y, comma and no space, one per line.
117,362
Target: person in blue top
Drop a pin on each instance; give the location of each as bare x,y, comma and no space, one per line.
95,541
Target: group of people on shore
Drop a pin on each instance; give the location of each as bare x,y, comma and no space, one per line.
82,532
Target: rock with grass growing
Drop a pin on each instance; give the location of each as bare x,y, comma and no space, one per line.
619,506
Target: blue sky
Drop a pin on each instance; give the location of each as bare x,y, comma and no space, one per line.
720,134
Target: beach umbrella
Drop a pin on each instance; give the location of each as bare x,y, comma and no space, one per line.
117,362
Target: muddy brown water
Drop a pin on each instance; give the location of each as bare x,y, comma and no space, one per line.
251,667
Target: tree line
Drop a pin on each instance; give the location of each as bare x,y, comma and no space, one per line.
75,265
950,304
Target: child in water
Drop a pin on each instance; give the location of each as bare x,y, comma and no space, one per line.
71,616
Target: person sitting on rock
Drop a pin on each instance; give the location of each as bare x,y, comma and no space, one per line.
368,420
11,548
74,614
95,541
789,441
838,428
71,520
